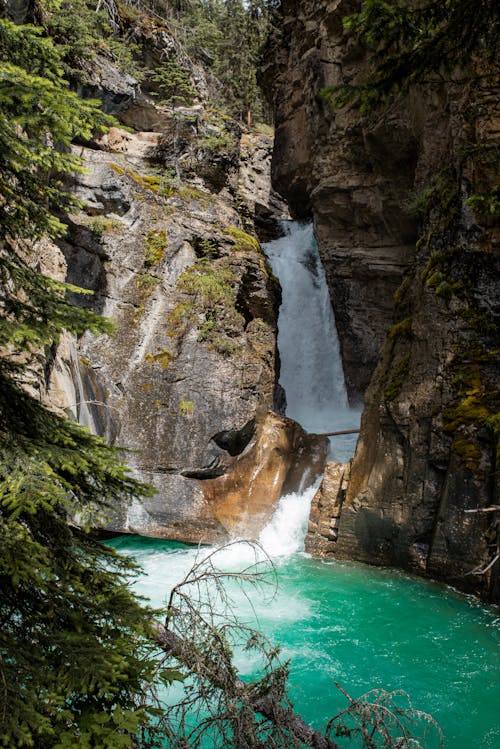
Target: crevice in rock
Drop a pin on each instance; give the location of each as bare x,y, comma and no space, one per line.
211,471
234,441
252,300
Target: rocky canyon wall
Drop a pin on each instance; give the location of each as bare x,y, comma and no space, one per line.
417,303
353,177
165,241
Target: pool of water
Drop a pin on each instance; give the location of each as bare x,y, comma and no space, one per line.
362,627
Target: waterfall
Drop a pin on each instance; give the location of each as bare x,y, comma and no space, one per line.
311,366
284,533
311,371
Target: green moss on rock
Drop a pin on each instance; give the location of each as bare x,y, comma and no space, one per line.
155,247
396,378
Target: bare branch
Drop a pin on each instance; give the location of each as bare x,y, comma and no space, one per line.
266,705
493,508
217,705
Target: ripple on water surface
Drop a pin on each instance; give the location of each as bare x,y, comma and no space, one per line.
363,627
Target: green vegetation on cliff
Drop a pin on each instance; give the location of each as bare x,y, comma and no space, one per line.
227,35
413,43
223,36
438,46
71,666
75,658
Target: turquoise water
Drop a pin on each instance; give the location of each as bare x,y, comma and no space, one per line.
364,628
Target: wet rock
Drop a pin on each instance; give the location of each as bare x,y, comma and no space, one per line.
326,508
423,487
281,458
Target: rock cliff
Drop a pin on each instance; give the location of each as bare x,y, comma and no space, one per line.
423,489
165,241
353,177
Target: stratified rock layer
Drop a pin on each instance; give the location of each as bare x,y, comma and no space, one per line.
326,507
353,177
194,353
423,492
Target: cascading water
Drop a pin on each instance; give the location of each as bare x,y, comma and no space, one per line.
311,367
311,371
358,626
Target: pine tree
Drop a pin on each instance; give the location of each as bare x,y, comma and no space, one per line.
71,666
228,35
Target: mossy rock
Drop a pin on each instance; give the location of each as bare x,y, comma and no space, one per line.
155,247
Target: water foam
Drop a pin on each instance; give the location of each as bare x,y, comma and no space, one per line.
284,535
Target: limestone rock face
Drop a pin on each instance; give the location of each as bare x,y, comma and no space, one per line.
266,207
326,508
194,353
423,492
115,89
279,459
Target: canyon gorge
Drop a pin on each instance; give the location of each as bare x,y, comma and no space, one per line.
175,202
249,382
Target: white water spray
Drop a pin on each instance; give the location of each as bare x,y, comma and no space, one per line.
284,533
312,375
311,371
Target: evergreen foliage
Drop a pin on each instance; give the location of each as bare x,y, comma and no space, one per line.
224,35
72,667
39,117
173,84
80,30
227,35
421,43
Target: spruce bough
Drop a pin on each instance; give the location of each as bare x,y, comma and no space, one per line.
73,638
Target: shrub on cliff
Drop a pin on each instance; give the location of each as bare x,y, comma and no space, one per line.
412,43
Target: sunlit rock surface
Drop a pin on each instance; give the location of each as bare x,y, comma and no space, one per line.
280,458
326,507
194,353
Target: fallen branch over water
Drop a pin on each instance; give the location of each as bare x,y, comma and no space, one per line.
199,636
478,571
493,508
266,705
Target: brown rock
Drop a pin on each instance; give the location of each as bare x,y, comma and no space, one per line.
281,458
326,507
424,481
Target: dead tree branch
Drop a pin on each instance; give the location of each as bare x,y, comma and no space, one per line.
266,705
217,706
